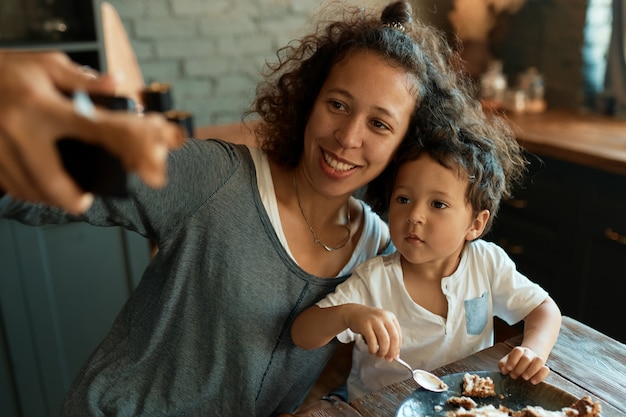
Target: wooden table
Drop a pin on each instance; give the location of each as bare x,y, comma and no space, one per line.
583,362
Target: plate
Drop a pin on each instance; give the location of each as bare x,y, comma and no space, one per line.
516,394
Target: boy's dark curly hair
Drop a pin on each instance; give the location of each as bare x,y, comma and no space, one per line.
478,146
285,99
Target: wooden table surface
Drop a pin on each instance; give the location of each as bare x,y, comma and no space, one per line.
583,362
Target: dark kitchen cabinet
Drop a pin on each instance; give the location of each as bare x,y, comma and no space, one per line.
60,290
566,230
604,254
60,286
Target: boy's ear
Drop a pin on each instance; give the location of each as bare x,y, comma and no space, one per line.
478,225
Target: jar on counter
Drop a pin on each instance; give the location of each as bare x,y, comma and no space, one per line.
531,82
493,83
157,97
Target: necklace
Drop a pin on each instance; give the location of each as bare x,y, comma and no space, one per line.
308,223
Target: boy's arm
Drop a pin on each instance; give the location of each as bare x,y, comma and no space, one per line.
316,326
541,329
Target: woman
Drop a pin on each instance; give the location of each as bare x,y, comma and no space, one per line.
248,238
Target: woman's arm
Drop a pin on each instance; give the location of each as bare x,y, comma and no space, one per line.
541,328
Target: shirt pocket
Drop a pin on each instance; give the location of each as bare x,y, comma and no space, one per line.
476,314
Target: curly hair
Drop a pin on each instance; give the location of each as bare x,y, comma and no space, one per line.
285,98
480,147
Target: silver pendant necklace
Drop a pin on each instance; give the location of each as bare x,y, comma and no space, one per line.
308,223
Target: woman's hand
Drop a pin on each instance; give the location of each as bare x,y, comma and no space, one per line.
35,112
524,362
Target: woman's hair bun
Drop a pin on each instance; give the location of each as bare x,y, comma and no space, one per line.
398,13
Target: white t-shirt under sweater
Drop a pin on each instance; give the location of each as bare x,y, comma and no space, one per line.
486,284
372,226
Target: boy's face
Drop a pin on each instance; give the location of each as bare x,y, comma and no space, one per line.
429,216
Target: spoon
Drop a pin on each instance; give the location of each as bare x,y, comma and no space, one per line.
425,379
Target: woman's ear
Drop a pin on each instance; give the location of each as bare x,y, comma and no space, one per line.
478,225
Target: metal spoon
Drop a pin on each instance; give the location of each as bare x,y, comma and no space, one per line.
425,379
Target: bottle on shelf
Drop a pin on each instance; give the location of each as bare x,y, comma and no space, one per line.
157,97
531,81
493,85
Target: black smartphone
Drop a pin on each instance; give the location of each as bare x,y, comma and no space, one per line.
94,168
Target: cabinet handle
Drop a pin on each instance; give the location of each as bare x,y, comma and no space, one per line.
516,249
518,204
611,234
511,249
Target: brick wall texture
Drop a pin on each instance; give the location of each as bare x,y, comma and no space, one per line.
212,51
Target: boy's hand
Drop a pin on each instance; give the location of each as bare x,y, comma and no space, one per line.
524,362
379,328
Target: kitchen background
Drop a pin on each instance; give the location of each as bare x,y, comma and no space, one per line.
212,52
571,224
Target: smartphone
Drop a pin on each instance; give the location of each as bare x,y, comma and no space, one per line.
94,168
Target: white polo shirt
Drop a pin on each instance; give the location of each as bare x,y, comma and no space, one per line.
486,284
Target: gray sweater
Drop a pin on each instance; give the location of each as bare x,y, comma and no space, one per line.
206,332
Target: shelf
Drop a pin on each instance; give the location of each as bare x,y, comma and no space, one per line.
84,44
62,46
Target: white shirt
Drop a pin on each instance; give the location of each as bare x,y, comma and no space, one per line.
486,284
373,227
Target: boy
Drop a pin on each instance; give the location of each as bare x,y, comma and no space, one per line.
435,298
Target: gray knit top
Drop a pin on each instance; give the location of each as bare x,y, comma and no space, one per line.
206,332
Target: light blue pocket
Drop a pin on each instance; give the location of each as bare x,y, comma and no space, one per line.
476,311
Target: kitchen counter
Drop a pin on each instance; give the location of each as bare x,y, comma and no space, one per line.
589,140
237,132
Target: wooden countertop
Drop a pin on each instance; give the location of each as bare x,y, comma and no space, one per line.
237,132
590,140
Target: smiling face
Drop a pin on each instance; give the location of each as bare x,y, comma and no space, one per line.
357,122
429,215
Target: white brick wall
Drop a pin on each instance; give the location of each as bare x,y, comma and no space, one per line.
212,51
